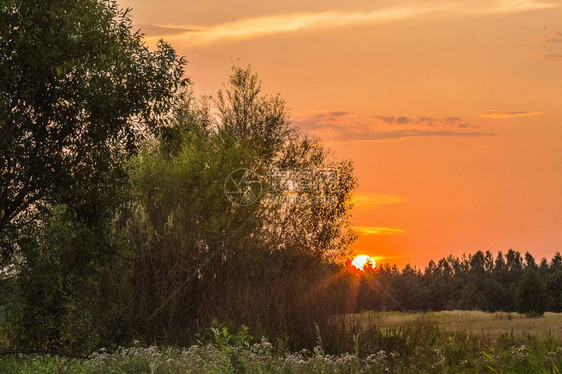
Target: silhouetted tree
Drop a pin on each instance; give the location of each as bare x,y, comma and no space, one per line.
532,296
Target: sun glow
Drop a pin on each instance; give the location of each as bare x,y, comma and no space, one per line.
360,261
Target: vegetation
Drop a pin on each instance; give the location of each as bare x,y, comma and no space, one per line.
77,93
417,345
478,281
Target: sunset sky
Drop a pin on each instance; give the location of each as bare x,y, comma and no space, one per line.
460,151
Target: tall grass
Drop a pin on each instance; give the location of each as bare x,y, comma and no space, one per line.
420,346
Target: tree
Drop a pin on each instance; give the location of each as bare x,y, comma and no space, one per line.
532,296
179,218
77,92
530,260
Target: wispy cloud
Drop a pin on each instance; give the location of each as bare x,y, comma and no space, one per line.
352,137
367,201
555,56
324,123
375,230
250,28
159,31
556,38
424,121
513,114
553,38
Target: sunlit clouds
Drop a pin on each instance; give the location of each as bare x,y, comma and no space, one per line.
555,56
375,230
249,28
513,114
367,201
328,124
159,31
556,38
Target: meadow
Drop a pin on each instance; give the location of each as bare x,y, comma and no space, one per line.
476,323
439,342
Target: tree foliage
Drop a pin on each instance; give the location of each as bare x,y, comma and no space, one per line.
189,241
77,92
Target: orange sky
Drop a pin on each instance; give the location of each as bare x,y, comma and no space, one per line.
460,151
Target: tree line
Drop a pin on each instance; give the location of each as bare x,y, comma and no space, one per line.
506,282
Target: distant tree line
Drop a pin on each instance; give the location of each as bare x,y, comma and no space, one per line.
506,282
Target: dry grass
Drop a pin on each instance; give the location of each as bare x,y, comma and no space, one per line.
493,325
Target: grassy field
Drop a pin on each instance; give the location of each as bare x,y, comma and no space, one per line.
443,342
491,325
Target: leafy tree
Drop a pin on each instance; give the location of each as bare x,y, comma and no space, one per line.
532,296
179,218
77,92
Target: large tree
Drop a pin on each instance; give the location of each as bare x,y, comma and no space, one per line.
77,91
199,255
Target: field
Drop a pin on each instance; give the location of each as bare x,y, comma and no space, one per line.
476,323
441,342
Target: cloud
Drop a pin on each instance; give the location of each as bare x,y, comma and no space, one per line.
324,124
374,230
513,114
312,120
386,119
350,137
556,38
367,201
423,121
158,31
554,56
250,28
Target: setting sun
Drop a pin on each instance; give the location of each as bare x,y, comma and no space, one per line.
360,261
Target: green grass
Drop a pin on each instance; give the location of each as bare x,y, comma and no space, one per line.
396,343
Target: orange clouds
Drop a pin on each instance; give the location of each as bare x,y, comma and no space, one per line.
159,31
250,28
513,114
375,230
548,55
327,124
367,201
556,38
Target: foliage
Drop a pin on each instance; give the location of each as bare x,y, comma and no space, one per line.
196,256
532,296
77,92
